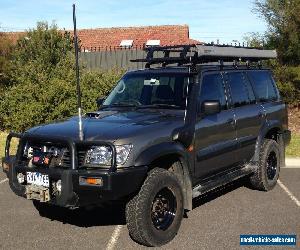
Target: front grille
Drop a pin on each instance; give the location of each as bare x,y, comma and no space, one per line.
66,159
61,156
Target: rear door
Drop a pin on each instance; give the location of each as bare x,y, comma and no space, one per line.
267,95
248,114
215,140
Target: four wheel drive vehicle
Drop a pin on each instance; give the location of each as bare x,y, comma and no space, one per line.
162,137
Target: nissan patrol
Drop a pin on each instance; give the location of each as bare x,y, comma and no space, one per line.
163,136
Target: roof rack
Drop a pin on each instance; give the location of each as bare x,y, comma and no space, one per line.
205,53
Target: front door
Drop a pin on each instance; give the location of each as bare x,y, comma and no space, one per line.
215,136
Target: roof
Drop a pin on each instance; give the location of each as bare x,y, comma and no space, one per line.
14,36
104,38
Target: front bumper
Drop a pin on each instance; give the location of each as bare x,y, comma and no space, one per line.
117,184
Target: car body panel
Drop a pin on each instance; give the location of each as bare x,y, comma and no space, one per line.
206,146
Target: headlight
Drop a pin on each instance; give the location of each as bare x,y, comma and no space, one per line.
123,153
101,155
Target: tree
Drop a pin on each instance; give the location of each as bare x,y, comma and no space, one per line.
283,19
41,54
42,81
5,51
255,39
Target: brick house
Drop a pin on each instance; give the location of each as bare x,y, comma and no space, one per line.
136,37
128,37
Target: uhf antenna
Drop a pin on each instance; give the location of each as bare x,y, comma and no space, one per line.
77,77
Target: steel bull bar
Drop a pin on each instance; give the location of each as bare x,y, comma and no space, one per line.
69,177
8,160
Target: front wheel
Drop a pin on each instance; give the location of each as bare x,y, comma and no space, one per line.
154,215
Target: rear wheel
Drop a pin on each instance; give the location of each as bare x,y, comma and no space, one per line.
267,173
154,215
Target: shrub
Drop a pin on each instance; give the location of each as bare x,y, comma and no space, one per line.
5,52
43,53
42,84
288,81
25,105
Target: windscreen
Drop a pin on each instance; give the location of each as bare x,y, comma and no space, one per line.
150,90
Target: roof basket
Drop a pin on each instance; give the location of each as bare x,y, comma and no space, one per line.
200,54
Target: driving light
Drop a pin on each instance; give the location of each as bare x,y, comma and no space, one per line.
99,155
28,151
123,153
58,185
21,178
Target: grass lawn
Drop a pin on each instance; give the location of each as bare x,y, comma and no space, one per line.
293,150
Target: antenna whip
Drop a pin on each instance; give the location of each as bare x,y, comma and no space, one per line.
77,78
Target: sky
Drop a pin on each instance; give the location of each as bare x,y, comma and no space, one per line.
209,20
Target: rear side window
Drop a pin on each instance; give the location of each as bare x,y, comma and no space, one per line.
250,89
238,89
263,85
212,89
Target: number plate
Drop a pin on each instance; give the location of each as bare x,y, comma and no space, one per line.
37,179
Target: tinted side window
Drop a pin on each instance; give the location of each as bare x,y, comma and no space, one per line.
262,85
212,89
250,89
238,90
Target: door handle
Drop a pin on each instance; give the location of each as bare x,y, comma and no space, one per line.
231,121
261,114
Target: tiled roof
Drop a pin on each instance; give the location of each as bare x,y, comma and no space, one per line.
14,36
104,38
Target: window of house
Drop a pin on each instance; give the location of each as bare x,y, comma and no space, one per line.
126,43
153,43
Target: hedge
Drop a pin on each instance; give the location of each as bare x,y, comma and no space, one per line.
25,105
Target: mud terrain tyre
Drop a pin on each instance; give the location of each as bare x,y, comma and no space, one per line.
154,215
267,173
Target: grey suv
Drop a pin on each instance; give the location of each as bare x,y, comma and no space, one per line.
162,137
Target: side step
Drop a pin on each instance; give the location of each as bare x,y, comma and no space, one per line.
219,181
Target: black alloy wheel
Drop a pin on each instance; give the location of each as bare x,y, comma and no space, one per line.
163,209
271,165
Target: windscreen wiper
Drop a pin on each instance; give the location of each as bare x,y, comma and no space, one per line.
123,104
118,104
159,105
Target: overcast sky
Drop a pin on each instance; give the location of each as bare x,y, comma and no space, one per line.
208,20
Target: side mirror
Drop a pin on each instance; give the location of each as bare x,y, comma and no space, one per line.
211,107
100,102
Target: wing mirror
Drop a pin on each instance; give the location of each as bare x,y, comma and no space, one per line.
100,102
210,107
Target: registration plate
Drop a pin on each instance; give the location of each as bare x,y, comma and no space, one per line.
37,179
